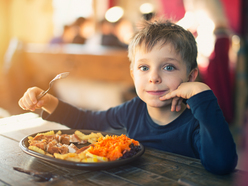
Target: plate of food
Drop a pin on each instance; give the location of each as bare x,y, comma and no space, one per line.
82,149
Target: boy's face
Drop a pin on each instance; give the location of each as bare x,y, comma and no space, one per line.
157,73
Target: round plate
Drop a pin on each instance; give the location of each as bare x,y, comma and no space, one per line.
78,165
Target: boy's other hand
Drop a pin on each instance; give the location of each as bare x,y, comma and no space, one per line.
29,101
184,91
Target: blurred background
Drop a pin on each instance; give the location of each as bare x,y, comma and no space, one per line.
89,38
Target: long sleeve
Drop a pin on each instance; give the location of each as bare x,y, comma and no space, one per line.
215,143
73,117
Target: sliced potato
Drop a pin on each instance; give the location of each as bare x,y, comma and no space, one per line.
47,133
82,155
30,138
92,138
80,135
36,149
89,160
100,158
50,155
76,159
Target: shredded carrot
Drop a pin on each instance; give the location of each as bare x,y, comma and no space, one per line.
112,147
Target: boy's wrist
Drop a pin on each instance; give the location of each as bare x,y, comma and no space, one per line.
201,87
52,104
199,98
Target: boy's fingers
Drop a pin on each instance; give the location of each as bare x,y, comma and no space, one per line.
165,97
29,100
40,103
28,103
32,95
168,96
179,104
21,104
174,104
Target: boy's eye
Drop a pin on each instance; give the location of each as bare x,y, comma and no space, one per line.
143,68
169,68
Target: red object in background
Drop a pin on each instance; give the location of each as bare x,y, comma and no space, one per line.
232,9
173,9
111,3
218,77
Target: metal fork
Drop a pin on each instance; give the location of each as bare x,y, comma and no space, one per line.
59,76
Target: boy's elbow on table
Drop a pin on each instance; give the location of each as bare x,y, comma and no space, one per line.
223,166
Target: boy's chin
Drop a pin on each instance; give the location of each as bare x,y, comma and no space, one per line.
159,104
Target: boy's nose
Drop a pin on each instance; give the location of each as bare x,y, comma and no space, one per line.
155,78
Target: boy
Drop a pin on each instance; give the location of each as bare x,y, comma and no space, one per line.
163,68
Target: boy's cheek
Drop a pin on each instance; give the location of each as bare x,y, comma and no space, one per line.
176,85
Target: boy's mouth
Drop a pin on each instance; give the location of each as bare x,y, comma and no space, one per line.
158,92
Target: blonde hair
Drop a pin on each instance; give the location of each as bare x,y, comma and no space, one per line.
164,32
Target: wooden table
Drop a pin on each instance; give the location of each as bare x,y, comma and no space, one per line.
153,168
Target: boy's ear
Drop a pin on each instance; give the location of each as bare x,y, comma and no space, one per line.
193,75
131,73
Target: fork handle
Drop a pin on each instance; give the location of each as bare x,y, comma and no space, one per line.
42,94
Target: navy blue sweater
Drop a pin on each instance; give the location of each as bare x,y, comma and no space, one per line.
200,132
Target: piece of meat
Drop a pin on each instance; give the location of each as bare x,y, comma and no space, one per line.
39,137
49,138
75,139
72,148
65,139
82,149
40,144
52,147
57,137
63,149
